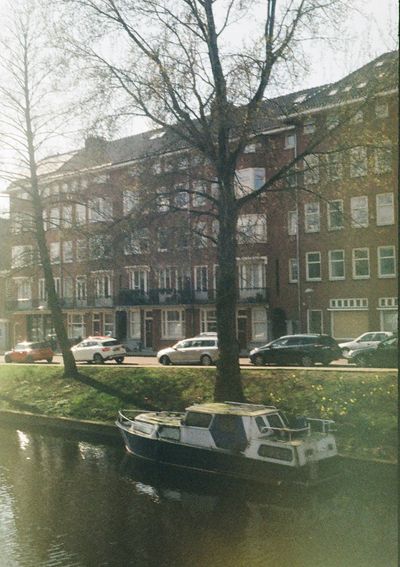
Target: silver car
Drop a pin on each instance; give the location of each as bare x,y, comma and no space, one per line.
373,338
202,349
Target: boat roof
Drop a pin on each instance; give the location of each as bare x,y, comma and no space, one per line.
232,408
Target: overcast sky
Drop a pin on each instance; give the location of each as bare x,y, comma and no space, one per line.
368,33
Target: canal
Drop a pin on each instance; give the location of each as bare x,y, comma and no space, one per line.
76,502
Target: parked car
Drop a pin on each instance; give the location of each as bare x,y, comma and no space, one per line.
29,352
99,350
303,350
372,338
383,355
202,349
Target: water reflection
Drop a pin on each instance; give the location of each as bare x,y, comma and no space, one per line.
78,503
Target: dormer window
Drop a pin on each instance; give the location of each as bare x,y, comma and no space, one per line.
290,141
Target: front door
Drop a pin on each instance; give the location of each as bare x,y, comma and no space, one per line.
148,335
242,330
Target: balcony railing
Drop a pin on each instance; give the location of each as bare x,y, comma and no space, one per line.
134,297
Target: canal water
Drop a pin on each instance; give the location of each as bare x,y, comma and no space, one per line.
75,502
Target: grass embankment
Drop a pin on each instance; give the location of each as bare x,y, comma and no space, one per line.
363,404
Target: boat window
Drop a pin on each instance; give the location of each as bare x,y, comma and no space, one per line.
274,420
260,423
198,419
279,453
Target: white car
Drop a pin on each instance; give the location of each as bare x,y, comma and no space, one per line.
99,350
365,340
202,349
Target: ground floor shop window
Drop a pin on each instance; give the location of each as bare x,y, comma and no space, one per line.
76,326
109,324
134,324
259,324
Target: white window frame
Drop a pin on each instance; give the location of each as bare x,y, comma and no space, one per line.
359,211
259,324
334,261
290,141
312,217
67,252
135,323
293,270
201,278
309,263
81,288
172,328
358,162
332,211
384,211
359,260
311,169
208,320
383,159
334,166
138,278
292,223
252,228
102,285
55,252
381,258
130,201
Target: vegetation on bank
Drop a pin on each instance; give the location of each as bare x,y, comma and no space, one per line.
363,404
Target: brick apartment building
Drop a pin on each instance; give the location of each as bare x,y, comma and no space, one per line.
318,253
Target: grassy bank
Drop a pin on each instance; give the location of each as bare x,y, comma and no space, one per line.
363,404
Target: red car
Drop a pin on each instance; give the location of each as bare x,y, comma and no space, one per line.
29,352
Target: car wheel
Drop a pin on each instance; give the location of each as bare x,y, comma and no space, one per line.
98,359
307,361
165,360
7,358
259,360
362,360
50,359
205,360
119,359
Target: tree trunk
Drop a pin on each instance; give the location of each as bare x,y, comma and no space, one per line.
228,385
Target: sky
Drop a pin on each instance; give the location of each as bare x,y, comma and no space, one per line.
371,30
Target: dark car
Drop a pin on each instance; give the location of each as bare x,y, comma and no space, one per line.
304,350
383,355
30,352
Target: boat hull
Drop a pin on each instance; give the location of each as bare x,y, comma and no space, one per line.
219,462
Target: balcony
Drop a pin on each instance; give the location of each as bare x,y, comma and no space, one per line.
135,297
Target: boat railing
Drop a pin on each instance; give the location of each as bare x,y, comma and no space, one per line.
126,417
322,425
287,432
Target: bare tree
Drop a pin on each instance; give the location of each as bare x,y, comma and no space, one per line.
176,64
26,125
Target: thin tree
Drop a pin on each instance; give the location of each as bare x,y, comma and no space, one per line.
25,126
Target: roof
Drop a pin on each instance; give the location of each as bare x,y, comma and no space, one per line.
232,408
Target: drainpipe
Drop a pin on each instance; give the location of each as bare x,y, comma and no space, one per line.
299,290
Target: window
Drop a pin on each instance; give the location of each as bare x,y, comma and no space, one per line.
386,261
100,246
80,288
130,200
21,256
290,141
167,278
248,180
359,211
81,251
334,166
251,275
292,223
312,217
201,278
102,285
259,324
109,326
162,200
198,197
311,169
208,321
100,209
55,252
309,127
138,279
313,265
384,209
250,149
336,264
293,270
199,232
42,289
173,323
181,196
67,216
137,242
67,251
134,324
68,288
381,109
383,159
80,214
76,325
23,289
358,161
54,218
252,228
335,215
361,263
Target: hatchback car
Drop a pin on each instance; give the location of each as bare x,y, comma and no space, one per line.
99,350
29,352
304,350
372,338
383,355
202,349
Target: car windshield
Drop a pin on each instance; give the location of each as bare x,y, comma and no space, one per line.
23,346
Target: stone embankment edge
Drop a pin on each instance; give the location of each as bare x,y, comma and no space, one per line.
110,431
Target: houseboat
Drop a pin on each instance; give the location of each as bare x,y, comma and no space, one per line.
240,440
